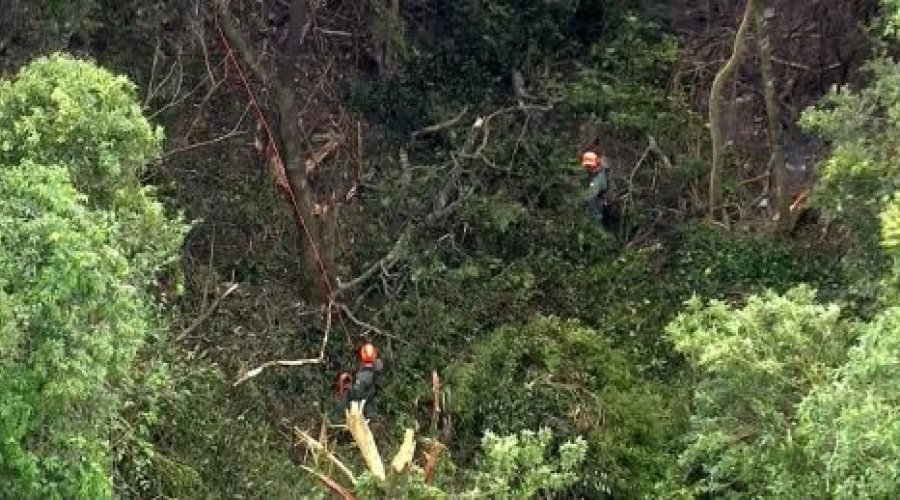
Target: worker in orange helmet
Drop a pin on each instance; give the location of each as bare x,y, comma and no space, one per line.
363,384
597,180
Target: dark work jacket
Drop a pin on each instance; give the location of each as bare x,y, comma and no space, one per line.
363,387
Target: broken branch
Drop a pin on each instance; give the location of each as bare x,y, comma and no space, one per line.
296,362
442,125
331,484
320,448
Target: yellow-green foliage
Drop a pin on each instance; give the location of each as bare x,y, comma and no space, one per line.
64,111
75,325
754,365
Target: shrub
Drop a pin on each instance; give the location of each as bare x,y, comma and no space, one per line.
562,375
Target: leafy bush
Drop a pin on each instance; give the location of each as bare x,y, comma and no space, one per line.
63,111
754,366
851,425
75,325
517,466
81,242
560,374
195,437
624,85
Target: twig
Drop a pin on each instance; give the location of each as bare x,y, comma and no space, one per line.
182,98
222,138
792,64
654,146
206,314
151,92
334,32
362,323
319,447
751,180
293,362
234,132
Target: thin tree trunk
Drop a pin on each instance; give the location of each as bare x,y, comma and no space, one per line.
715,109
777,151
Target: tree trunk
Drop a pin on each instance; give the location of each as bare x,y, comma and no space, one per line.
715,109
317,267
782,200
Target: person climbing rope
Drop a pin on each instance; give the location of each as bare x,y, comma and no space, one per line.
361,386
597,180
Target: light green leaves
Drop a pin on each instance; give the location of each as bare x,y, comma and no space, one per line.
754,365
517,466
61,110
786,406
852,424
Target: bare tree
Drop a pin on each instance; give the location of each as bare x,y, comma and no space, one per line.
761,14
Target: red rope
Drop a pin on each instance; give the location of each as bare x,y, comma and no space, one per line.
260,116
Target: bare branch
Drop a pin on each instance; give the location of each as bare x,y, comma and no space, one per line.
221,138
296,362
318,447
397,251
363,324
331,484
654,146
442,125
334,32
206,314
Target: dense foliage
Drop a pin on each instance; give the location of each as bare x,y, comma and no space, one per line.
78,257
651,356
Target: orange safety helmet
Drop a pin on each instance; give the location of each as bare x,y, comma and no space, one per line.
368,354
590,161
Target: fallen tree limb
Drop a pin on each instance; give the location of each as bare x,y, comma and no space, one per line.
295,362
318,447
398,250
